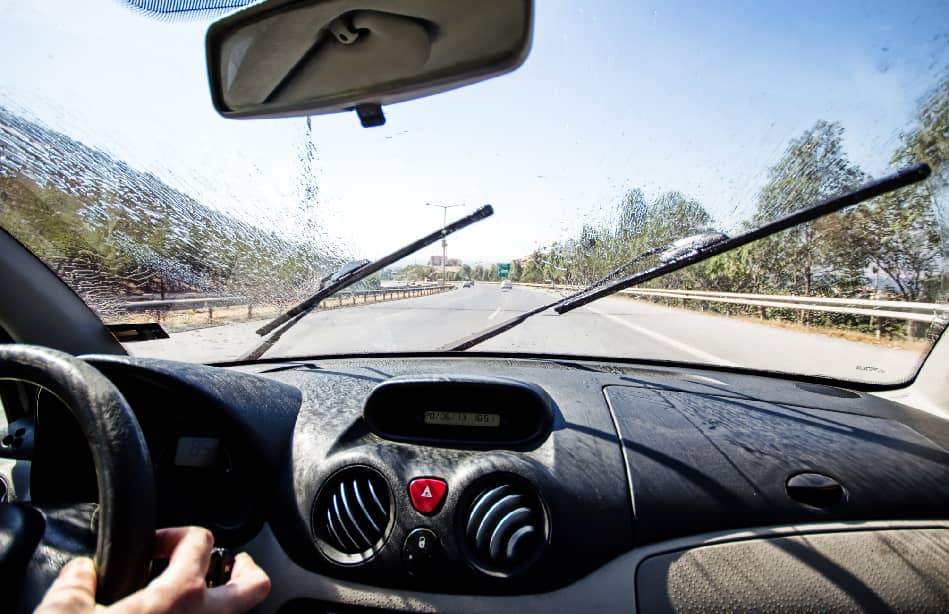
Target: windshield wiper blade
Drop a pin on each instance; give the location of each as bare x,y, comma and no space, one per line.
354,273
871,189
600,289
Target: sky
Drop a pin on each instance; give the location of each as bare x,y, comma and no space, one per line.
698,97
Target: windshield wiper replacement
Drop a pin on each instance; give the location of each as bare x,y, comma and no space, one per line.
352,273
673,257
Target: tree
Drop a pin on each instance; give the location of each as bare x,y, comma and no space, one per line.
673,216
928,142
533,272
814,167
900,237
632,215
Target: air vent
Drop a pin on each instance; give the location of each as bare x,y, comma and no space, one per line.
505,528
352,514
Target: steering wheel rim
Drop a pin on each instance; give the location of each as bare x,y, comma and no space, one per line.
126,516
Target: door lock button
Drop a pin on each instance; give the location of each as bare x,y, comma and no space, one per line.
421,551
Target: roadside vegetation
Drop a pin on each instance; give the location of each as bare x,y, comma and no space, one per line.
420,272
114,233
892,247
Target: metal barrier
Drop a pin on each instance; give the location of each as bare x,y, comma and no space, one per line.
895,310
338,300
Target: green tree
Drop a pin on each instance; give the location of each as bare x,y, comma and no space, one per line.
928,141
814,167
898,233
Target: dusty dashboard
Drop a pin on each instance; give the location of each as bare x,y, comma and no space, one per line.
457,482
500,476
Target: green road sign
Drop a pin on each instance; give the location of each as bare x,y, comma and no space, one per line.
504,270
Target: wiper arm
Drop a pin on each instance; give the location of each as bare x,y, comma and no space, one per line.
598,290
871,189
352,274
475,339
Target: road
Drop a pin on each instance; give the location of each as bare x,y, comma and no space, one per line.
609,327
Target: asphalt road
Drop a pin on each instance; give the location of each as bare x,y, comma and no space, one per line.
609,327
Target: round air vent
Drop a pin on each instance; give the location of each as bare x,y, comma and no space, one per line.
505,527
352,514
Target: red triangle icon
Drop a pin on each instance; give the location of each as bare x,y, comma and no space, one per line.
427,494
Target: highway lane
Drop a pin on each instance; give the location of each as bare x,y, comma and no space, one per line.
409,325
610,327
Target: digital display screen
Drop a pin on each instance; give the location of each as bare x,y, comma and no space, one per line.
197,451
461,418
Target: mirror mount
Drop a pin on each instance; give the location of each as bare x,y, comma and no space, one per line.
370,115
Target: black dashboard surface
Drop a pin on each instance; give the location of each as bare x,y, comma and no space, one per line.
634,456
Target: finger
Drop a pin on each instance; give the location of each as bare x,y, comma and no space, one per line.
248,586
188,549
74,590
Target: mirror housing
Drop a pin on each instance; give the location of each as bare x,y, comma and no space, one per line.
285,58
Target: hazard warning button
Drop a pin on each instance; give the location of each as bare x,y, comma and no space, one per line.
427,493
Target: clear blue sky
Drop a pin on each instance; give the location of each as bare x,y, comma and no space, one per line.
689,96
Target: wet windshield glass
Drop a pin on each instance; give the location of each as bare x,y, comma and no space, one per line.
630,127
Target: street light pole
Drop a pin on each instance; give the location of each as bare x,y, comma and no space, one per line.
445,209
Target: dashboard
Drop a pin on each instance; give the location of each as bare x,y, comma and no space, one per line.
484,483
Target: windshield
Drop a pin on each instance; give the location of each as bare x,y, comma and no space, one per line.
632,128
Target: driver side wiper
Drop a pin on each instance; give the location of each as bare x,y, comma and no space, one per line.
600,288
351,274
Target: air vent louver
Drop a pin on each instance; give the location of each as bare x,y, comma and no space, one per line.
352,513
505,528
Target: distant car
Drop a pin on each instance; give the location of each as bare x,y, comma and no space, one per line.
506,284
468,284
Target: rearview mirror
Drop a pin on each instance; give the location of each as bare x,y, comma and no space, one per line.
285,58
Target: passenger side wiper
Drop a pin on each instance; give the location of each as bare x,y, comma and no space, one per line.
601,288
351,274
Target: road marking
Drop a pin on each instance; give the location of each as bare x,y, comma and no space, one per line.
495,314
683,347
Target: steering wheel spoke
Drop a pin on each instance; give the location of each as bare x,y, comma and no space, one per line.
119,530
38,541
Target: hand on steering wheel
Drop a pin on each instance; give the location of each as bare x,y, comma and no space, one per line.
180,588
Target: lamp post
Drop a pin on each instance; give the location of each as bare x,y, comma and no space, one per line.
444,209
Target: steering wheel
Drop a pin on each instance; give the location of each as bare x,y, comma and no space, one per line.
36,541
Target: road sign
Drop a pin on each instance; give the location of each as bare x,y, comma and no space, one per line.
504,270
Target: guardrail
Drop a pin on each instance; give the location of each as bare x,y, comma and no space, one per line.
340,299
895,310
